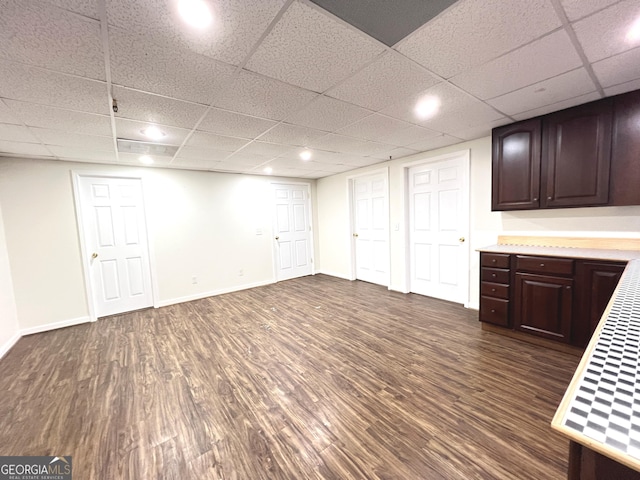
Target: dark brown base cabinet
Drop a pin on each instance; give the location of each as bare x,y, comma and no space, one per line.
560,299
585,464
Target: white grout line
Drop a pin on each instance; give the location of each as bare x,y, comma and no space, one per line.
104,32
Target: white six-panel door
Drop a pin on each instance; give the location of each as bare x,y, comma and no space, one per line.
115,239
371,228
438,229
292,229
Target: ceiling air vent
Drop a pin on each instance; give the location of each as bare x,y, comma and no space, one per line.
146,148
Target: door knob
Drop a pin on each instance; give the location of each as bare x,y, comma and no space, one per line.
277,238
95,255
355,235
461,240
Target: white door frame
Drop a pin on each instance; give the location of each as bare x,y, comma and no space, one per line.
85,252
352,220
466,160
274,249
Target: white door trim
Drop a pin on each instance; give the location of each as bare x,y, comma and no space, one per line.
352,219
84,251
466,159
274,251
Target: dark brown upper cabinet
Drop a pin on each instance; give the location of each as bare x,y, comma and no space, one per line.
516,166
625,150
576,156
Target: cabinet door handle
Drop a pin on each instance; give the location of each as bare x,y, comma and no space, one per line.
493,275
535,199
548,198
494,260
493,289
542,264
493,310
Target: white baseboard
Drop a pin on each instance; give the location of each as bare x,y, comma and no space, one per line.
4,349
55,325
472,305
198,296
334,274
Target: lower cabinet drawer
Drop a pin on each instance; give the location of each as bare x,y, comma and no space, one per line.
494,310
495,275
497,290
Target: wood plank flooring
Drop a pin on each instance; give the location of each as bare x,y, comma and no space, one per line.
313,378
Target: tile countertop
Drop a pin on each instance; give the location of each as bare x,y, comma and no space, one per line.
567,252
601,407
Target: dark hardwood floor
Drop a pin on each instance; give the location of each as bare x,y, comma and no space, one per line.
315,377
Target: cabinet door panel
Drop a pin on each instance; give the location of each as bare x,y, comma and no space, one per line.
625,150
577,156
516,166
544,305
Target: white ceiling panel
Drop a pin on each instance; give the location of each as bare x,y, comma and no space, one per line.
342,144
131,130
224,122
312,50
59,119
470,116
193,163
550,91
237,25
264,97
7,116
88,8
83,154
537,61
386,81
233,167
328,114
268,149
471,33
155,109
66,139
292,135
554,107
409,135
31,84
395,153
216,142
202,153
618,69
374,127
17,148
30,33
623,88
479,131
16,133
134,159
247,159
435,142
576,9
604,33
175,72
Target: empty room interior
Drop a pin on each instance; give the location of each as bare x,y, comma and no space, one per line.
314,239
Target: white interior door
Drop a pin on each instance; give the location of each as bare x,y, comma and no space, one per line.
115,238
292,229
438,229
371,228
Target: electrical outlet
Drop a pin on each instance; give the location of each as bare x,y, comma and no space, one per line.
194,280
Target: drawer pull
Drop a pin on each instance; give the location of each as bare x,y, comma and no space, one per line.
493,260
493,310
493,289
493,275
542,264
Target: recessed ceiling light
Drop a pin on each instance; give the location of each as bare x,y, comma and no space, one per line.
153,132
146,159
305,155
427,107
268,170
633,34
195,12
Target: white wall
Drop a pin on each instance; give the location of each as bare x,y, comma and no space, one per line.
200,224
333,217
9,330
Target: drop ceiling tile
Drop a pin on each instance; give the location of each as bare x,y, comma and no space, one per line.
134,159
409,135
264,97
374,127
328,114
31,84
58,119
231,167
435,142
603,34
224,122
537,61
554,107
193,163
471,33
247,159
88,8
30,32
268,149
395,153
553,90
386,81
292,135
155,109
138,63
7,116
480,131
17,148
202,153
576,9
73,140
622,88
16,133
618,69
285,162
321,156
349,145
311,49
237,25
131,130
472,115
83,154
216,142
